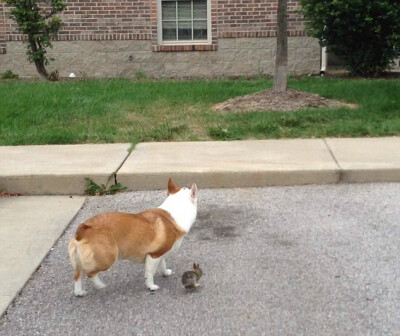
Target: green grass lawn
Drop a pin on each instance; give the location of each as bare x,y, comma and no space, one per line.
120,110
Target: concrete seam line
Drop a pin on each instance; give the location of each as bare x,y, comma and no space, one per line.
334,159
122,163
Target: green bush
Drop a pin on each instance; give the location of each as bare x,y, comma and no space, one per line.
364,33
8,74
37,20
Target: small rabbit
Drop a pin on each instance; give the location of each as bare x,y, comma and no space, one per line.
190,278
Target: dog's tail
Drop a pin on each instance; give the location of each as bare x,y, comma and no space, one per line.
80,231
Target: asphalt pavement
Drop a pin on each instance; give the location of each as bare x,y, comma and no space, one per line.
297,260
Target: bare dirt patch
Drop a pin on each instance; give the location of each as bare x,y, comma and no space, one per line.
269,100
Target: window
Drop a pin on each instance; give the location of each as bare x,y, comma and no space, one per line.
184,21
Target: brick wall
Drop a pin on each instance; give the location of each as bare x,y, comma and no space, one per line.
109,38
137,20
254,18
124,19
2,31
99,20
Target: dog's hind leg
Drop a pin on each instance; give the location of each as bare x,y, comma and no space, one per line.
78,289
97,282
151,266
96,258
162,267
73,255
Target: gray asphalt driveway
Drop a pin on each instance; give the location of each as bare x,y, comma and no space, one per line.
313,260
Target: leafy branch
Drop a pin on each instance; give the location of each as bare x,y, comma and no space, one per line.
40,25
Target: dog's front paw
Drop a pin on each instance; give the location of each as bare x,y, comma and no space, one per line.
153,288
80,293
167,272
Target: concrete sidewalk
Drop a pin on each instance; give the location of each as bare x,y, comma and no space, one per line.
29,227
61,169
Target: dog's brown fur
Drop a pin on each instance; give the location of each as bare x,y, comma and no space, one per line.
147,236
104,238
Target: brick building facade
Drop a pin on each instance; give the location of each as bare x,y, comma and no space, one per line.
166,38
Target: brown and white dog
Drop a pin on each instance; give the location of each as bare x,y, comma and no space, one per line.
147,236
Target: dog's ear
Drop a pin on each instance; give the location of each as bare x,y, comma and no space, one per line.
172,188
193,190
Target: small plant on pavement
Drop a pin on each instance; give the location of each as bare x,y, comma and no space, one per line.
94,189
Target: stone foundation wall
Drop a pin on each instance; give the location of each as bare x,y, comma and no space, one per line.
234,57
396,65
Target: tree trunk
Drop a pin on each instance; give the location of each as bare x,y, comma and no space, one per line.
40,67
280,80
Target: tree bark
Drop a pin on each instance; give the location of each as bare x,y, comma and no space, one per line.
40,67
280,79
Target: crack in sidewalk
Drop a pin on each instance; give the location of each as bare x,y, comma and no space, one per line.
334,159
115,172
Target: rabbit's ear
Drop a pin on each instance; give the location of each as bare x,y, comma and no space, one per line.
194,266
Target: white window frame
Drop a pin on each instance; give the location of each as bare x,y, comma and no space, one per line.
182,42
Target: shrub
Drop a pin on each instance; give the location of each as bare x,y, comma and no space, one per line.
8,74
364,33
38,20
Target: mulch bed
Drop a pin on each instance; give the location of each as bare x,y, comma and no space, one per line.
269,100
